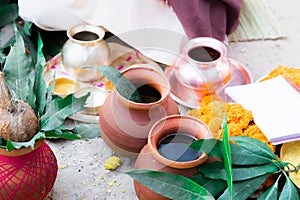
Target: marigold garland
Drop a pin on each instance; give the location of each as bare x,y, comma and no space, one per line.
240,121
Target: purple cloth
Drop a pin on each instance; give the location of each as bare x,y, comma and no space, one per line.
207,18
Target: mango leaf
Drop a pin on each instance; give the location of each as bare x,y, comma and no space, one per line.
214,186
242,156
17,69
59,134
51,108
124,86
226,156
61,109
272,192
10,145
8,13
170,185
27,27
88,131
31,98
215,170
2,56
243,189
40,86
30,43
212,147
239,155
289,190
255,146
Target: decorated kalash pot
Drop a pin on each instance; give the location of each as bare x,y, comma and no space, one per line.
85,47
202,69
168,150
27,173
125,124
28,167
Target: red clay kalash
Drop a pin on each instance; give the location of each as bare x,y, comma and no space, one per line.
27,173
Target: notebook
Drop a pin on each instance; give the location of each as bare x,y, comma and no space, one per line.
275,106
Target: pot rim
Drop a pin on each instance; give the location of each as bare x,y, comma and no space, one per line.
86,27
205,42
165,92
22,151
152,143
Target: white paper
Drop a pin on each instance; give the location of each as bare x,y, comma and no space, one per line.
275,105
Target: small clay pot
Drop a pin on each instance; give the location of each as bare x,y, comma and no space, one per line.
150,158
125,124
27,173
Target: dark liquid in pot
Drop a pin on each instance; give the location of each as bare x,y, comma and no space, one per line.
203,54
86,36
148,94
176,147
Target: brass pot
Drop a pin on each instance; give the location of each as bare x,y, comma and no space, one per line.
85,47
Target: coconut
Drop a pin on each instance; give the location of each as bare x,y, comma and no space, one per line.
18,121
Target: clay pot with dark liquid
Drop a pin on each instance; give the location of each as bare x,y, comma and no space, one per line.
168,150
125,124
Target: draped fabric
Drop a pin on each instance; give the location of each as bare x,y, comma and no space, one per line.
211,18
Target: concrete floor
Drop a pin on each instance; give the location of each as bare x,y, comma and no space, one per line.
81,172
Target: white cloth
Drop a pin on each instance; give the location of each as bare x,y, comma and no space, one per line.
275,105
118,16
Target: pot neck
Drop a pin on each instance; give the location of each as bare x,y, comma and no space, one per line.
204,51
86,34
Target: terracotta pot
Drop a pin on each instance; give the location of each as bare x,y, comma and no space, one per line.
27,173
151,158
125,124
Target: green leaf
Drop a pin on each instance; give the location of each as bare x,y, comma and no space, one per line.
255,146
170,185
2,56
289,190
31,98
40,86
17,69
226,156
18,145
272,192
30,43
59,134
242,156
60,110
8,13
239,155
88,131
51,108
243,189
27,26
214,186
215,170
212,147
124,86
